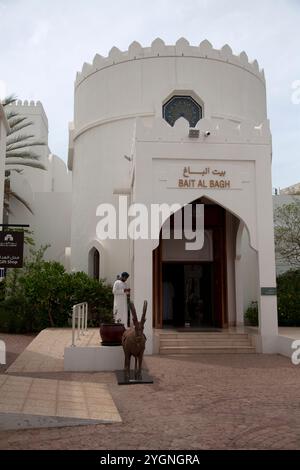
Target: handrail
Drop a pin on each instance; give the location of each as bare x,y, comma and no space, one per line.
79,313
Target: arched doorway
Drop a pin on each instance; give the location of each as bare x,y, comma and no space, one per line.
94,263
190,287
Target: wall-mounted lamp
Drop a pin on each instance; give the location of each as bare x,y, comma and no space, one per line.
194,133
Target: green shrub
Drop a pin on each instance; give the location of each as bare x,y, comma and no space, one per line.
15,316
2,290
288,298
97,293
251,314
288,301
42,294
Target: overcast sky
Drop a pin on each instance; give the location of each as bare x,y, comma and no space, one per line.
43,43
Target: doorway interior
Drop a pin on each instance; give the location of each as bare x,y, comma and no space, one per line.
188,295
190,288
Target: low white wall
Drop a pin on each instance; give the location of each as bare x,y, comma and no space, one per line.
94,358
280,345
284,346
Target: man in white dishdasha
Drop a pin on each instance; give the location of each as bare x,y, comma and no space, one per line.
121,291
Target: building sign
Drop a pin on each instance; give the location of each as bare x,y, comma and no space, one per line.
11,249
268,291
205,177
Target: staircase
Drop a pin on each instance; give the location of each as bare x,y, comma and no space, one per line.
173,342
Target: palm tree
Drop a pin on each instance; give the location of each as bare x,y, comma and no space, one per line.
19,151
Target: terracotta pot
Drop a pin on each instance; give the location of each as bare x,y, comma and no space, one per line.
111,334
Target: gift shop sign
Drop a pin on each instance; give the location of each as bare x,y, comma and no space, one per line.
11,249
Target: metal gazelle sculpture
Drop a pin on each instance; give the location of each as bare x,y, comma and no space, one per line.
133,342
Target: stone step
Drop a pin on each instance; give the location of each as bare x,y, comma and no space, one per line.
203,343
203,335
208,342
207,350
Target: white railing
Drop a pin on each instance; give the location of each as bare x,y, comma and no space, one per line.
79,314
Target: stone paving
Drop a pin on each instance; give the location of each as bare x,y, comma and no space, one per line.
200,402
30,402
15,346
46,352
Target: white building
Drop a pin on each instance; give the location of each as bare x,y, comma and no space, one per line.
48,192
4,129
142,103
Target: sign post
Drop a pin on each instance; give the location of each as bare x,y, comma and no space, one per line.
11,247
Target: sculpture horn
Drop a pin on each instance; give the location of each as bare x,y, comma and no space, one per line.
133,312
143,319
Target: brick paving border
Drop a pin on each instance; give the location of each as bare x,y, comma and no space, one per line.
200,402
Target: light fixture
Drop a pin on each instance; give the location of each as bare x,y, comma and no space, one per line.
194,133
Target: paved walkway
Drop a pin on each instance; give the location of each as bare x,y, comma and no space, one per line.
15,346
208,402
46,352
29,403
291,332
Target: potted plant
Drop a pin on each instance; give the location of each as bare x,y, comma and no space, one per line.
111,333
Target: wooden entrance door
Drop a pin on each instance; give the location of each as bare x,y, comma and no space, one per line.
214,220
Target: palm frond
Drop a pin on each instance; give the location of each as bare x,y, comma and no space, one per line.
14,195
18,151
17,138
11,114
8,172
20,127
9,100
23,145
31,164
25,154
17,123
14,120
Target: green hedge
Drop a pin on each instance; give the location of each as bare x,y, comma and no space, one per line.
288,298
251,315
288,301
42,294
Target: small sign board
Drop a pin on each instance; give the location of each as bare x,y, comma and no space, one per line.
268,291
11,249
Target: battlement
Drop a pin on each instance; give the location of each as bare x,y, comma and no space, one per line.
28,103
30,107
210,131
158,48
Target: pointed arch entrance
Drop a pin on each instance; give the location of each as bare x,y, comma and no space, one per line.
190,287
94,263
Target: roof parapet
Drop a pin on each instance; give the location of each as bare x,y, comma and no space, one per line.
158,48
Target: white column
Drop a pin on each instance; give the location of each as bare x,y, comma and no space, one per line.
239,288
142,289
239,298
267,304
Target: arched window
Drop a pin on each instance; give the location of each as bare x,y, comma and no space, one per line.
96,270
182,106
94,263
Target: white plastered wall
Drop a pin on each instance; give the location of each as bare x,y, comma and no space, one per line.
47,192
118,109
